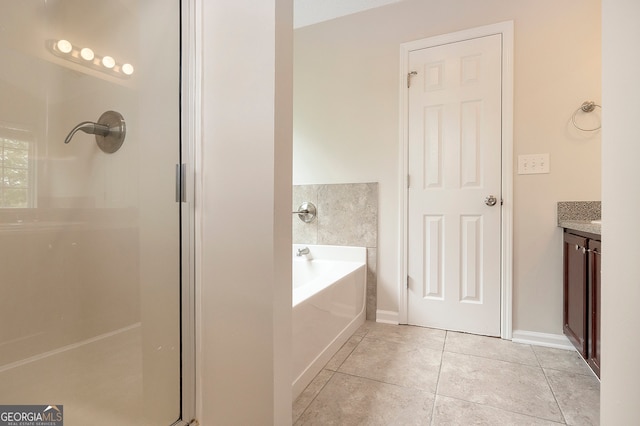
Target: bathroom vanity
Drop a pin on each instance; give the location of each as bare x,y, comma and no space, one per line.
582,248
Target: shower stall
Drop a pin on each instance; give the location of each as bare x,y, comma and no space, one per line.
94,234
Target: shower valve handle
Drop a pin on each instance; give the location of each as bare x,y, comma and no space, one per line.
110,131
88,127
306,212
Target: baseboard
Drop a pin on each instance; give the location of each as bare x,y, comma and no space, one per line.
387,317
558,341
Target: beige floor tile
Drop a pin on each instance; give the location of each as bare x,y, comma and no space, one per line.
364,328
490,347
336,361
509,386
561,359
578,396
311,391
404,364
426,337
454,412
349,400
385,370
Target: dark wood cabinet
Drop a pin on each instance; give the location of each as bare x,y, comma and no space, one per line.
581,313
575,291
594,262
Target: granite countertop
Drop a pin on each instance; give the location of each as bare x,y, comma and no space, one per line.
581,225
579,216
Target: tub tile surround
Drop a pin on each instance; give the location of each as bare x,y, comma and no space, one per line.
347,216
304,233
372,283
467,379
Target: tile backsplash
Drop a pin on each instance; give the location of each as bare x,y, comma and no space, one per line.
347,216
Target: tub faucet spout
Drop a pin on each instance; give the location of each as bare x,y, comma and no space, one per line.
302,251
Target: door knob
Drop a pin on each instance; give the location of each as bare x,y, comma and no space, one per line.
491,200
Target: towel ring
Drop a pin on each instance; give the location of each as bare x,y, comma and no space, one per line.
586,107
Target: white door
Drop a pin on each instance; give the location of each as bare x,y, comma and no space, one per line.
454,165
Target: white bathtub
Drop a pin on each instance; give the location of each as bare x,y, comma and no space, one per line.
329,299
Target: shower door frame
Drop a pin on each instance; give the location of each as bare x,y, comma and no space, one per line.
190,118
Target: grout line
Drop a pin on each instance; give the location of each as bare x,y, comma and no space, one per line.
570,371
555,398
435,395
495,359
333,373
575,373
383,382
564,419
346,357
498,359
503,409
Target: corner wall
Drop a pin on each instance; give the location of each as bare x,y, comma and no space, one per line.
620,370
346,82
243,205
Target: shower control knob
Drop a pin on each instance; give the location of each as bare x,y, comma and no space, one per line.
491,200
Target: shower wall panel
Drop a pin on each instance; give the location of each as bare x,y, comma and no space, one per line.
90,256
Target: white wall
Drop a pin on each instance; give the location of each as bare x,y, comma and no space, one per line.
346,122
245,253
309,12
621,202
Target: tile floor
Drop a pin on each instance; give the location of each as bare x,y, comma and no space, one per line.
404,375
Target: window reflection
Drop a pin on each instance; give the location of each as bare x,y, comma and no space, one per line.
16,173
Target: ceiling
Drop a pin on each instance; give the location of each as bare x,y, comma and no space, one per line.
308,12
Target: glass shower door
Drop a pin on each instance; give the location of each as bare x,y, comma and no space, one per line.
90,229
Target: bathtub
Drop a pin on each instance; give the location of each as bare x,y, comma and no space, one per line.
329,299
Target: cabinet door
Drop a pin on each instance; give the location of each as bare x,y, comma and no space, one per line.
595,249
575,291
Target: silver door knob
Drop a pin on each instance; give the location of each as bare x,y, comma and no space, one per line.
491,200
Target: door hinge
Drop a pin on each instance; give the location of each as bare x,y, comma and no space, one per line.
181,183
408,181
407,281
409,75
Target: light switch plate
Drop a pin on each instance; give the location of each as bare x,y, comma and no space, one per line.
532,164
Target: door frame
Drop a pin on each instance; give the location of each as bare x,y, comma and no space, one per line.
190,143
505,29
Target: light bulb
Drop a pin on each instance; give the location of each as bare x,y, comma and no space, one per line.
87,54
64,46
127,69
108,62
